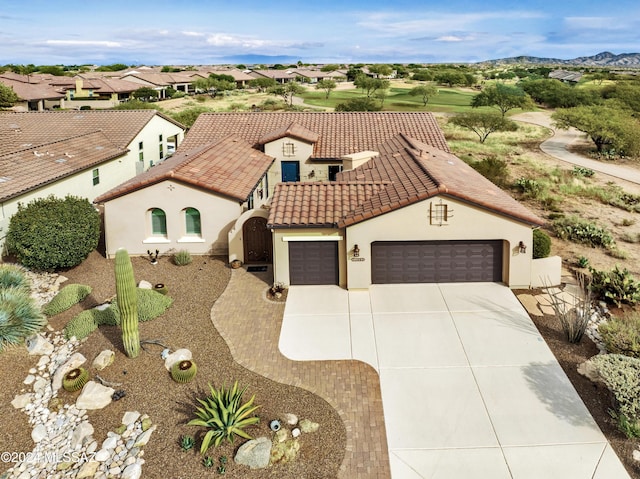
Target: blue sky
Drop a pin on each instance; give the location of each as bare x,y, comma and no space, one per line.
190,32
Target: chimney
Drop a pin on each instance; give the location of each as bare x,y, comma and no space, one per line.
353,161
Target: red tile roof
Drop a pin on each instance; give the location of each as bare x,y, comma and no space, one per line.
230,167
411,171
34,128
32,91
32,167
294,130
339,133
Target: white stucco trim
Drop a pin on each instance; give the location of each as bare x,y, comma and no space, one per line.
191,239
312,238
156,240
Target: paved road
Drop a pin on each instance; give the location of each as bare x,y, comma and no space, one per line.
556,146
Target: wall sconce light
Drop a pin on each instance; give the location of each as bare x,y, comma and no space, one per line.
521,247
356,251
312,173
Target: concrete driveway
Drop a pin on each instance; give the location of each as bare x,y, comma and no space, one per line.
469,387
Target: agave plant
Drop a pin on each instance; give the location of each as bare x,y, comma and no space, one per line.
225,415
20,317
12,276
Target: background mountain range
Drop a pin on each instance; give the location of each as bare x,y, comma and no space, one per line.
604,59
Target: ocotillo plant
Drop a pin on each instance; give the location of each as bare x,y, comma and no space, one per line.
127,298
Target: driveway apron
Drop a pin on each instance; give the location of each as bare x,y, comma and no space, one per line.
468,384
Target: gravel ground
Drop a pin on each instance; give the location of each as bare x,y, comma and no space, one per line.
150,390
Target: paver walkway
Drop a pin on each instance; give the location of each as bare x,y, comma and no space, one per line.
250,324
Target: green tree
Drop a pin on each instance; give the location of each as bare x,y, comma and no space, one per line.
608,127
262,84
422,75
26,70
115,67
425,92
555,94
503,97
450,78
55,70
370,85
8,97
145,93
483,123
327,85
287,91
381,70
331,67
53,233
358,104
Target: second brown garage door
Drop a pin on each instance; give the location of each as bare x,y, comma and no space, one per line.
313,262
436,261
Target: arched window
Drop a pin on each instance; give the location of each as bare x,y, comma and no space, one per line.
192,222
158,222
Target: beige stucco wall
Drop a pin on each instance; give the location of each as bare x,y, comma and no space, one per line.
128,222
150,138
467,222
281,250
303,151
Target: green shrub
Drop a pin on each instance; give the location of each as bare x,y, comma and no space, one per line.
12,276
528,187
225,415
582,172
20,317
182,258
492,168
621,374
582,231
82,325
68,296
52,233
617,253
151,304
541,244
621,335
616,286
583,262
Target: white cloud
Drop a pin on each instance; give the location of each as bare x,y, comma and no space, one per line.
85,43
192,34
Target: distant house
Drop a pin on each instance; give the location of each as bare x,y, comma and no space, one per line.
35,92
566,76
351,199
280,76
96,92
241,78
159,81
82,153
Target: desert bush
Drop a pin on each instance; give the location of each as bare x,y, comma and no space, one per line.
528,187
582,172
52,233
541,244
12,276
630,238
494,169
182,258
225,416
574,318
20,317
621,374
582,231
616,286
628,222
583,262
621,335
68,296
617,253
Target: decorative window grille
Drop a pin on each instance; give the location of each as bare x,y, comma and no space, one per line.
288,149
439,213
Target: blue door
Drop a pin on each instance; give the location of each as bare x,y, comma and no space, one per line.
290,171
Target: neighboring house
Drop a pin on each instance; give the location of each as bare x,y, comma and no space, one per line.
402,208
34,91
280,76
159,81
241,78
190,201
87,90
566,76
80,153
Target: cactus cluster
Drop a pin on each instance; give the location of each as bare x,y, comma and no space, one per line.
75,379
183,371
128,303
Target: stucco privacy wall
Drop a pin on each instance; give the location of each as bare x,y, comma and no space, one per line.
150,138
281,249
128,221
467,222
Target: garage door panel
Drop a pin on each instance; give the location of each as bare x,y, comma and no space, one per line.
313,262
436,261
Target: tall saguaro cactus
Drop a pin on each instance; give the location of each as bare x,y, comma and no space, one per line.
127,298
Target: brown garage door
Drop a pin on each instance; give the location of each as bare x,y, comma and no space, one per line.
313,262
436,261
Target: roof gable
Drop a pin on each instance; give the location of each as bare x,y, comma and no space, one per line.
294,130
229,167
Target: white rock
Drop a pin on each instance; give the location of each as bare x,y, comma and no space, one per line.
143,438
76,360
133,471
88,469
83,430
110,443
94,396
102,455
254,453
145,284
636,455
91,448
104,359
40,385
296,432
22,400
179,355
103,306
130,417
39,433
291,419
42,361
38,344
29,379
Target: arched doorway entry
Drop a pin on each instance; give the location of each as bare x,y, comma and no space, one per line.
258,243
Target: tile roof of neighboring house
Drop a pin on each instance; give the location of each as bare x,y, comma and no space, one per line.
42,127
294,130
340,133
413,171
162,79
31,167
32,91
106,84
229,167
275,74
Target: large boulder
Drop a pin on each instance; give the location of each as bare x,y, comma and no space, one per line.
254,453
104,359
177,356
94,396
38,344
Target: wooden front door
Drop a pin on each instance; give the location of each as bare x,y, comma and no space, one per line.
258,244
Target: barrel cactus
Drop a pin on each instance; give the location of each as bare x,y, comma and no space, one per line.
75,379
128,303
183,371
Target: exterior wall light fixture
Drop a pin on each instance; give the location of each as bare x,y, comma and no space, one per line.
521,247
356,251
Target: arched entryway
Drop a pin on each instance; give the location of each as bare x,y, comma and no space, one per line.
258,244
